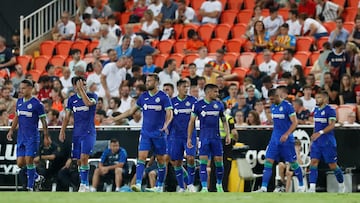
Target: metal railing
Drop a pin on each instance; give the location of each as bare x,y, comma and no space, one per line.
41,21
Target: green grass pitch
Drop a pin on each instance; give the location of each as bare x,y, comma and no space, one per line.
66,197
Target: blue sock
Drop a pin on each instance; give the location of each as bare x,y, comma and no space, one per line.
191,173
140,167
31,170
84,174
219,171
203,173
339,175
36,175
179,176
161,174
185,175
266,173
313,174
297,172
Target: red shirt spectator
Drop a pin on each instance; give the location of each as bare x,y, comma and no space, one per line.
308,7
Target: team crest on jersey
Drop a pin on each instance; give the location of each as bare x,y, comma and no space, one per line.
29,106
216,106
157,100
281,108
203,113
187,103
323,113
176,111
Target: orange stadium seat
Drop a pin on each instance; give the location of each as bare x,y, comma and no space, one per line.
231,58
205,32
249,4
349,26
165,46
241,73
303,57
215,44
190,58
57,60
228,16
63,48
330,26
178,30
321,41
353,3
92,45
234,45
4,73
284,12
259,58
58,71
47,48
235,4
265,12
186,28
278,56
244,16
160,60
349,14
238,30
69,58
81,45
35,74
136,28
88,59
179,46
246,59
24,61
222,31
223,4
343,112
185,72
178,58
314,57
196,4
124,18
339,2
40,63
307,70
303,43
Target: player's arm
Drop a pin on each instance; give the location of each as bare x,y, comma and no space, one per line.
226,128
191,126
47,140
64,124
126,114
105,86
11,62
81,90
328,128
294,123
12,128
168,118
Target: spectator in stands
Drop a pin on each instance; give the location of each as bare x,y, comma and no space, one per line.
249,81
327,11
346,94
322,67
357,86
210,11
240,105
53,118
307,7
89,28
125,98
168,32
257,17
168,88
101,12
288,62
193,43
150,28
250,99
269,65
239,119
256,75
117,5
202,60
19,76
340,33
338,61
169,74
260,109
107,39
113,27
100,104
124,49
184,14
76,56
293,89
136,120
4,118
201,87
222,67
293,22
308,101
7,59
355,35
140,51
45,87
57,99
66,80
167,11
96,57
193,77
112,75
260,38
267,85
137,76
100,117
253,118
298,75
112,57
231,99
209,74
351,120
129,31
155,6
310,80
223,89
332,88
83,7
273,22
354,58
114,105
194,91
284,40
112,165
302,113
65,29
312,27
149,66
138,12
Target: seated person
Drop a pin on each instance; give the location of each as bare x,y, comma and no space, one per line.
112,165
210,11
65,29
284,40
260,37
222,67
101,12
194,42
89,28
302,114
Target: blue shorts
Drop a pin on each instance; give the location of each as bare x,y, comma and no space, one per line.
179,146
157,144
82,145
328,153
27,148
168,144
283,151
211,147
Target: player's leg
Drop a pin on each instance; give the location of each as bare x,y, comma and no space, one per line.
287,151
217,150
272,153
330,157
280,184
204,152
144,147
177,154
118,178
315,155
87,145
31,150
190,159
160,146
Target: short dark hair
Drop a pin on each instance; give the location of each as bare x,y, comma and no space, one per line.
180,82
109,50
282,88
208,65
290,51
114,140
294,12
323,93
117,101
86,16
271,92
169,85
357,74
267,79
27,82
210,87
220,51
285,25
338,44
55,113
154,75
299,101
75,51
111,17
286,75
201,78
101,112
77,78
191,33
192,64
135,68
169,61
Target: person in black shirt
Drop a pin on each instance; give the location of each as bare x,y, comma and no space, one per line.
223,89
302,113
293,88
331,88
192,77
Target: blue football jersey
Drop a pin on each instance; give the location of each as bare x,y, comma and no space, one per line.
208,114
154,112
109,159
322,117
84,116
281,116
28,113
182,113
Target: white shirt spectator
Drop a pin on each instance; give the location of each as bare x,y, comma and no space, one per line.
150,28
330,11
265,91
95,78
155,8
268,68
287,66
125,104
131,40
88,10
114,28
309,104
211,6
263,117
67,85
169,78
309,21
189,14
200,64
73,64
90,29
69,28
108,42
114,77
132,122
294,27
272,26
